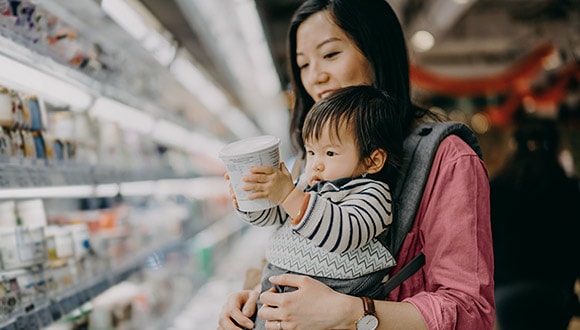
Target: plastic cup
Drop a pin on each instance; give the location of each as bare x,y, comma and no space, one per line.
240,156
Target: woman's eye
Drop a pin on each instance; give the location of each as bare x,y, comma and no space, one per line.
330,153
310,153
302,66
331,55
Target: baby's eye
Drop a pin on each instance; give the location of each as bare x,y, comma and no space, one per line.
330,153
310,152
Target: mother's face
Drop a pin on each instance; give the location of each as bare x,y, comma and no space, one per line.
328,59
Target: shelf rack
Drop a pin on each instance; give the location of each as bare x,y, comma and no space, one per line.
142,84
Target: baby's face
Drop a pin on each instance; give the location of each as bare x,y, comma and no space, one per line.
330,158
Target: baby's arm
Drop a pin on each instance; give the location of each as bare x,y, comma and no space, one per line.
277,186
349,223
268,217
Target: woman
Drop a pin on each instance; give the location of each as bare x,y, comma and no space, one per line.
339,43
535,223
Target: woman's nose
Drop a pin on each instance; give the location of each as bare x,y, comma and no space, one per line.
317,74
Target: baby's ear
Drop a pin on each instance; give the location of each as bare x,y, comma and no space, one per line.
376,161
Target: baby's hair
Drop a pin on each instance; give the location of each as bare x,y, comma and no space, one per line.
370,113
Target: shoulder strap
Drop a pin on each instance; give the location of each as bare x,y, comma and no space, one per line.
420,148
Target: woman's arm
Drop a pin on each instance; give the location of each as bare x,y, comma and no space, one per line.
316,306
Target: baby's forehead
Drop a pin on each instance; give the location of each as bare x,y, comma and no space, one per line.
330,133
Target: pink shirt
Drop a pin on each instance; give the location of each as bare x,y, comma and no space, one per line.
454,290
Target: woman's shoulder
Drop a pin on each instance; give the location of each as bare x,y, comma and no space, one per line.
454,146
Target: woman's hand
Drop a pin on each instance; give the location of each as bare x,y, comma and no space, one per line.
313,306
269,182
237,310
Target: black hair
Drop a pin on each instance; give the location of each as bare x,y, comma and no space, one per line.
370,113
375,29
535,161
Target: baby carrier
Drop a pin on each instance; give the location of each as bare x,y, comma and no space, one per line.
420,148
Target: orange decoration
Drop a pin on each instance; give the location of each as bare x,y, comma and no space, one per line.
516,82
519,77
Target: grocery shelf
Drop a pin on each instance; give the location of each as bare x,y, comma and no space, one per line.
54,306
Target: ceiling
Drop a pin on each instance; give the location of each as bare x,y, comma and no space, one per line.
473,37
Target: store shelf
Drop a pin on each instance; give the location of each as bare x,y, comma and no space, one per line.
28,173
103,158
51,308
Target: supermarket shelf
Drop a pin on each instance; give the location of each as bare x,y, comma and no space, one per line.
209,245
45,311
26,172
245,251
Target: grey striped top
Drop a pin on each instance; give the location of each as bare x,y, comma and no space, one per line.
336,236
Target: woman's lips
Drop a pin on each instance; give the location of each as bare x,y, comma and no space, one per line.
325,93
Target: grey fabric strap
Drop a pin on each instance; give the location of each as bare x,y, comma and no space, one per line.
420,148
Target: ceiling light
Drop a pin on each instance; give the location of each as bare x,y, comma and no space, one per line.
422,40
266,77
126,17
142,26
195,81
160,47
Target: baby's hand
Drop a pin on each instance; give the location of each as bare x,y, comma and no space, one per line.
232,194
268,182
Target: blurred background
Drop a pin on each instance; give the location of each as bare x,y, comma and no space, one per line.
113,208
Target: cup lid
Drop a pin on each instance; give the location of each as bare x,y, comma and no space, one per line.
249,145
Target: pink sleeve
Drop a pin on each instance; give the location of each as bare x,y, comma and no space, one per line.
454,290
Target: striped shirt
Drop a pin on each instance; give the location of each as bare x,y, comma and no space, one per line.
336,237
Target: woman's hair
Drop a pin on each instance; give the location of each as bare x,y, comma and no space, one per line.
375,29
370,115
535,161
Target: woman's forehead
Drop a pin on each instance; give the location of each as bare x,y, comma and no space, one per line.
317,30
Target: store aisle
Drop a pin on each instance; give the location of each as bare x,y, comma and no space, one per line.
202,311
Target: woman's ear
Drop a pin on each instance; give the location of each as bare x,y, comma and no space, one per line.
376,161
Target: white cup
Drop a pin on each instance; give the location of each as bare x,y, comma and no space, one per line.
240,156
